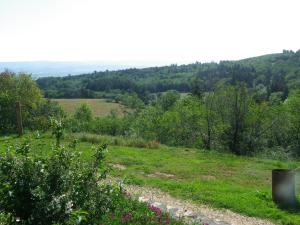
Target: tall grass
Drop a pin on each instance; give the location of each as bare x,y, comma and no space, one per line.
115,140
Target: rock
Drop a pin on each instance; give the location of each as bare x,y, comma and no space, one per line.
189,214
179,214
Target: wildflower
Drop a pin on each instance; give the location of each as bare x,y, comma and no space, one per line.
156,210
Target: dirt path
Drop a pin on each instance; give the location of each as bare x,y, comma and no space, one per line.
199,214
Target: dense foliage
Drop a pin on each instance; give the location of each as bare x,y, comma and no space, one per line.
229,118
16,88
55,189
35,110
269,74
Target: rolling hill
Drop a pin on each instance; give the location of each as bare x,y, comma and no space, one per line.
269,73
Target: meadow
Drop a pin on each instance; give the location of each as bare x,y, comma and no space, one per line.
221,180
99,107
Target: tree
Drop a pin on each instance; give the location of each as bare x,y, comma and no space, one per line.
15,88
212,125
233,106
83,113
46,109
168,99
181,124
293,106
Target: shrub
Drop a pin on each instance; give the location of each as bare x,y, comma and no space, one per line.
39,119
111,125
83,113
57,189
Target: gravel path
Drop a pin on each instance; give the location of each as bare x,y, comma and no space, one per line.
191,212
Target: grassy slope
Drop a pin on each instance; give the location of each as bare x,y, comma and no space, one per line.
222,180
99,106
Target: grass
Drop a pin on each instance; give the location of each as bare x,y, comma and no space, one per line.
241,184
114,140
99,106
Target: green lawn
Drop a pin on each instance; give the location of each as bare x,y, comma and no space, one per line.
241,184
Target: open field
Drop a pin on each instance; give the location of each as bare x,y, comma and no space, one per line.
99,106
241,184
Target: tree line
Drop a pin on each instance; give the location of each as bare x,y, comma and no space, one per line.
229,118
277,73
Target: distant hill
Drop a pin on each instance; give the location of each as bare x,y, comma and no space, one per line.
54,69
267,74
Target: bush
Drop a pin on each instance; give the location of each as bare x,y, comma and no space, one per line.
40,116
83,113
57,189
5,219
111,125
61,189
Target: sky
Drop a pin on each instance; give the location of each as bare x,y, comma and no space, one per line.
170,31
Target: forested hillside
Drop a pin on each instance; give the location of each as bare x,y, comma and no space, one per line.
275,73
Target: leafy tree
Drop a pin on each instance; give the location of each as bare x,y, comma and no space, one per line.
111,125
212,125
14,88
40,115
233,107
146,124
132,101
83,113
260,93
168,99
293,106
180,125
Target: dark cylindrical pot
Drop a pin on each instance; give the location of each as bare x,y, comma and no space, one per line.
283,187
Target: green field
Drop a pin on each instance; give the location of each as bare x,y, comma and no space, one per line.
241,184
99,106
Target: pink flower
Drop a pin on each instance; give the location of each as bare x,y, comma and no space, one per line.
156,210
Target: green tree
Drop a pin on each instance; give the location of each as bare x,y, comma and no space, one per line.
212,125
233,106
147,123
40,115
293,106
83,113
15,88
168,99
180,125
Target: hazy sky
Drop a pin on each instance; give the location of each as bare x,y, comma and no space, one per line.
176,31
